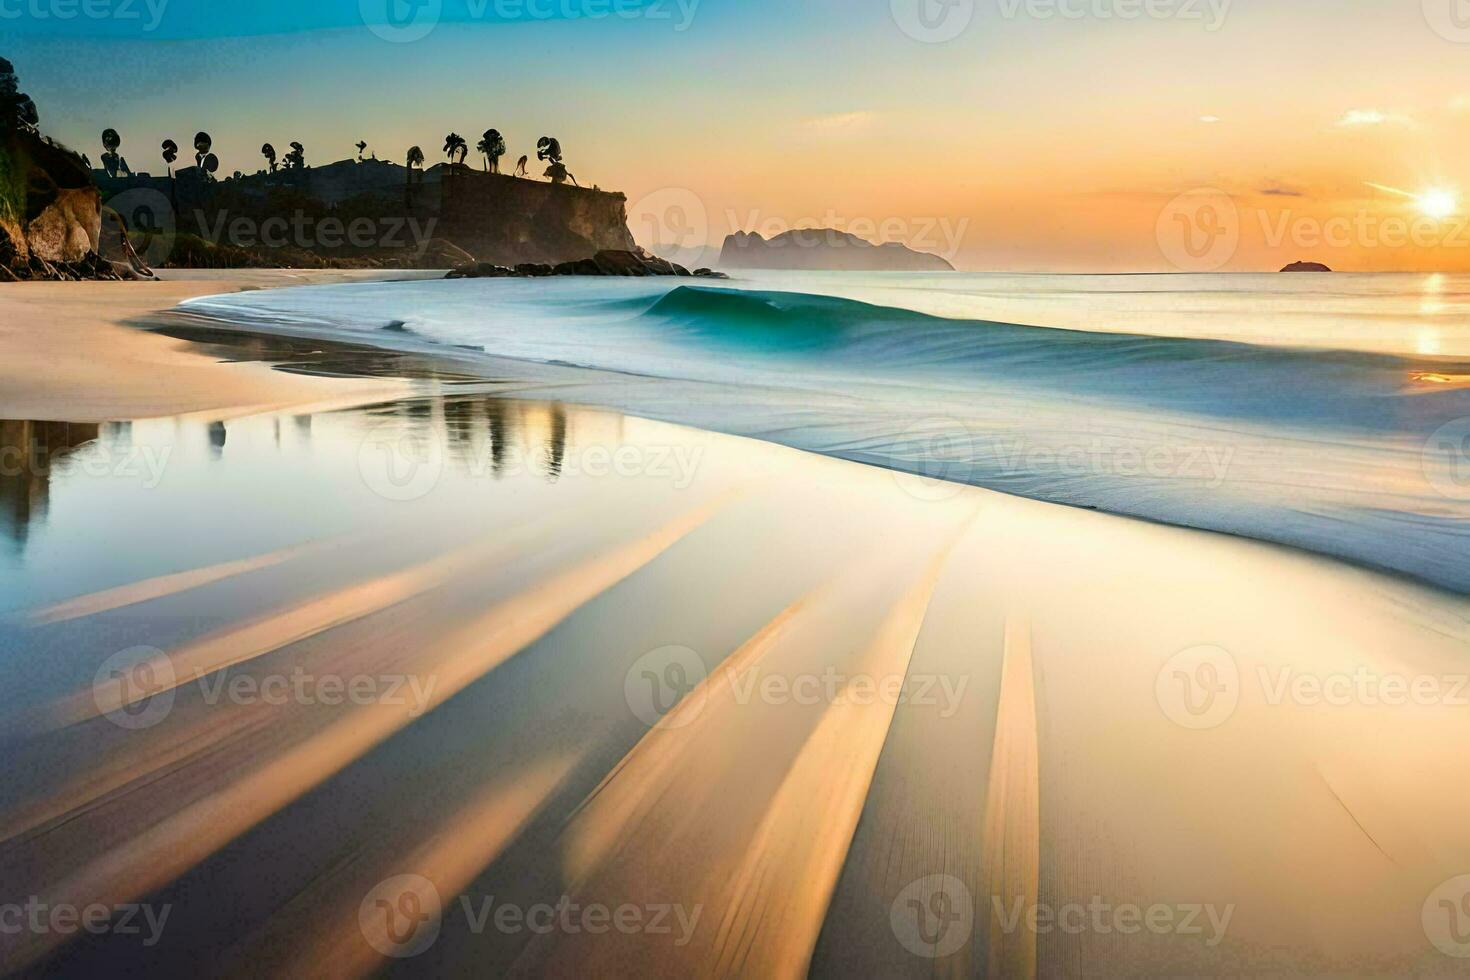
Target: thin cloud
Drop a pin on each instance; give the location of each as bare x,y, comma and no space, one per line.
1355,118
1280,192
840,121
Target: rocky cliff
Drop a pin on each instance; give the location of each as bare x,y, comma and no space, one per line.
509,220
368,213
824,249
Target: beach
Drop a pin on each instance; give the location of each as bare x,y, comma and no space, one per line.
464,674
126,373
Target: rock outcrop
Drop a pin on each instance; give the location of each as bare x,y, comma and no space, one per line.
1306,267
609,262
825,249
50,209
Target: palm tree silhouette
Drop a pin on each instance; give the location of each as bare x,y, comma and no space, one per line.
112,162
170,154
269,152
492,146
455,146
361,149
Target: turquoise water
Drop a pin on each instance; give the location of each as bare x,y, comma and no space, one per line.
1326,413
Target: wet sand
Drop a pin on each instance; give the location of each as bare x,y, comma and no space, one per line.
67,353
462,685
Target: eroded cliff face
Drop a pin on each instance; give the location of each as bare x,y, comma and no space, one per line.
508,221
51,219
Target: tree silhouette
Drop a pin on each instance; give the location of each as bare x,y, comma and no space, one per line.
415,159
170,154
455,146
269,152
492,147
17,111
207,161
361,149
112,161
548,148
296,159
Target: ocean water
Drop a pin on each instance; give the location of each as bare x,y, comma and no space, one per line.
1328,413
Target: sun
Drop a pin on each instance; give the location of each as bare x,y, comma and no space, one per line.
1438,204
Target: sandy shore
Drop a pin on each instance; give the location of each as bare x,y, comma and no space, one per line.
67,353
317,686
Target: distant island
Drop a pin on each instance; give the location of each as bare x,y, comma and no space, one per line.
825,250
1306,267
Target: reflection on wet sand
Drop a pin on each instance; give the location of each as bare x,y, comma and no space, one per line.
443,658
28,453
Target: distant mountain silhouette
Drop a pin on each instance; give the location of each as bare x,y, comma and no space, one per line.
825,249
1306,267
